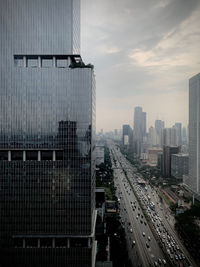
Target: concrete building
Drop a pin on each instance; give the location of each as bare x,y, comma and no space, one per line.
167,154
47,133
194,134
153,156
179,165
139,128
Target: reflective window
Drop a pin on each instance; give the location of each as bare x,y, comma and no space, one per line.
61,63
47,62
32,61
18,61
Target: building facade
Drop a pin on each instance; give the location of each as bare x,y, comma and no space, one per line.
47,130
194,134
139,128
170,137
167,154
179,165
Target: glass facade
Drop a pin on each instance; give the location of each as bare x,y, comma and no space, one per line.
47,129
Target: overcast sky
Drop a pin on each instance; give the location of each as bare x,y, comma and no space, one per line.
144,52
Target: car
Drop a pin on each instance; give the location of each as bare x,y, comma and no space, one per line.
180,257
147,244
155,263
143,233
159,261
145,223
176,257
131,230
149,238
136,217
141,221
133,243
164,261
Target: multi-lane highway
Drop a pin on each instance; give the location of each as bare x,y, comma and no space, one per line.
142,235
143,247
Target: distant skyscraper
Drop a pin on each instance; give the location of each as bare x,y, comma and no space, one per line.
159,126
152,136
178,127
194,134
170,137
47,130
139,128
126,132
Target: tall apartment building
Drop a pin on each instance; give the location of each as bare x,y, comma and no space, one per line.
139,128
194,134
47,130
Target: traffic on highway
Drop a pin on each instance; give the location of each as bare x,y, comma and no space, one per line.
147,222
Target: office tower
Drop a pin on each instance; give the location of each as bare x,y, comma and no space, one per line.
159,126
167,154
152,136
47,129
179,165
170,137
126,131
178,127
184,136
139,128
194,134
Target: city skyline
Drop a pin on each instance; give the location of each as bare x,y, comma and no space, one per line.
144,54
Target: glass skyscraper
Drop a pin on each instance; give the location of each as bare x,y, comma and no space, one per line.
194,134
47,130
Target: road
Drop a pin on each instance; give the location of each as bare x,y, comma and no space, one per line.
143,247
161,219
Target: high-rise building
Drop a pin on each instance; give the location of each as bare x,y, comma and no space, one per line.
194,134
170,137
178,127
47,130
179,165
159,126
167,154
139,128
152,137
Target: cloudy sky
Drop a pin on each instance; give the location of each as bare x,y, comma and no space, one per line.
144,52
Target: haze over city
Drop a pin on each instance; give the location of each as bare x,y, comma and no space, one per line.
144,52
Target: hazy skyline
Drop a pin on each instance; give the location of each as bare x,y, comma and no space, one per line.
144,53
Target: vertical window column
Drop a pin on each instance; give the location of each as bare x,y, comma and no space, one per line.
24,155
38,243
39,155
9,155
54,155
68,243
24,243
39,62
54,61
89,242
25,61
53,243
